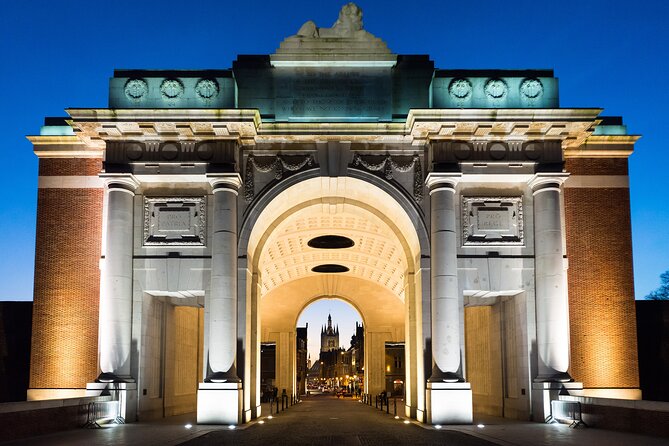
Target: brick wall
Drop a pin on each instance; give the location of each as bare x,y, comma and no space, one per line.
601,288
67,279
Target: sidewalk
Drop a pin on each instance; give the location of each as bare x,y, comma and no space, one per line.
327,420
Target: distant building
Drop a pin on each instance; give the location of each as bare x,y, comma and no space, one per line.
395,373
329,337
301,357
338,367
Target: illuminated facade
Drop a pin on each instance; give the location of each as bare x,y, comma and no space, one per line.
490,232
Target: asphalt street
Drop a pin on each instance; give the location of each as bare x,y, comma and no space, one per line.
325,420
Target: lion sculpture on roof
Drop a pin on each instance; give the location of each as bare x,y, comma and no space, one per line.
348,25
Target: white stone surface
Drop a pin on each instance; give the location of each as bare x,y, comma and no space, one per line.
551,297
219,403
445,292
449,403
222,300
115,327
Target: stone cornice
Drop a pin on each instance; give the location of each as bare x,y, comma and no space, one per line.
64,147
571,126
604,146
98,125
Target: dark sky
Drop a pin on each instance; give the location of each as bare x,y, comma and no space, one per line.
59,54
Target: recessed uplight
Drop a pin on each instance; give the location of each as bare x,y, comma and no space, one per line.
407,421
480,426
261,422
188,426
330,268
438,426
331,242
397,417
232,426
270,417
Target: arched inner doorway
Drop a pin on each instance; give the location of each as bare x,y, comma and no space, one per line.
380,275
330,348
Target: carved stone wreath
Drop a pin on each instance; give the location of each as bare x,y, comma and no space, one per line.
171,88
135,89
531,88
276,164
388,164
495,88
460,88
206,88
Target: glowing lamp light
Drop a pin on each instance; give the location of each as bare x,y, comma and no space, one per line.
188,426
407,421
261,422
438,426
480,426
397,417
232,426
270,417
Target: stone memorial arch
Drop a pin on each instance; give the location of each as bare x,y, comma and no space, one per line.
174,232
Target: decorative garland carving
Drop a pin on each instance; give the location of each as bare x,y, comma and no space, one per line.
388,164
277,165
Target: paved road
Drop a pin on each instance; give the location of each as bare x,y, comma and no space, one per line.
325,420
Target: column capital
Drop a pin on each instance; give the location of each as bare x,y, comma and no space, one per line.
542,181
225,181
123,181
437,180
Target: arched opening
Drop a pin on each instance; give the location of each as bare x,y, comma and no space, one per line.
330,348
380,276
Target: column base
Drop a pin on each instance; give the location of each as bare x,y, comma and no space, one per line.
126,395
449,403
545,392
219,403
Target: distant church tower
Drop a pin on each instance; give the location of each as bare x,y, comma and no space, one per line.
329,337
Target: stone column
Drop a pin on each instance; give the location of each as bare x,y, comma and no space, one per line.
115,322
445,299
219,397
552,307
222,299
449,397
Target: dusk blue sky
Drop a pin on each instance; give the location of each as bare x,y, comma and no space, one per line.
608,54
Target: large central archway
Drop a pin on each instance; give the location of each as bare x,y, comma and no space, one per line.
383,281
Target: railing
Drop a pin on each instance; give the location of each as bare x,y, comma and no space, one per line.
566,411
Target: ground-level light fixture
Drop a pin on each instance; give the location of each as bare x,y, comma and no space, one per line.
188,426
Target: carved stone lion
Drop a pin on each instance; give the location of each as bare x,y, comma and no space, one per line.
348,25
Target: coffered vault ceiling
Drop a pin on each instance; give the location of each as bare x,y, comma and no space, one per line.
377,255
